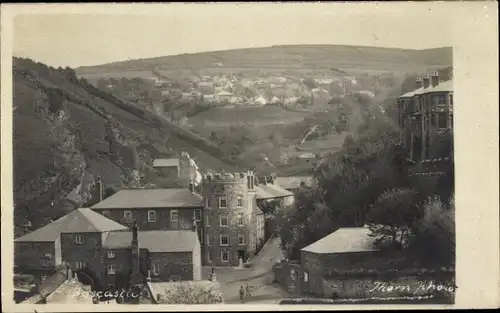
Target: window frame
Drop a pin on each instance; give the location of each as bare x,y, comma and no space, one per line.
111,254
111,269
209,241
79,239
125,215
80,262
200,213
220,240
243,241
239,201
222,256
444,119
226,219
150,220
176,216
155,269
306,277
222,198
239,219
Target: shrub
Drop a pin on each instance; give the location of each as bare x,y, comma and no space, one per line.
192,293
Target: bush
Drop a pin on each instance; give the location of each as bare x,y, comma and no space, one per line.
192,293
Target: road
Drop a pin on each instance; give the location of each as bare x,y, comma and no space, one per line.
259,278
308,133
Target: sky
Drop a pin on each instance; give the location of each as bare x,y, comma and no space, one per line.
82,35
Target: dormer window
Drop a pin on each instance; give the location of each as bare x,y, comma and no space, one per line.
79,239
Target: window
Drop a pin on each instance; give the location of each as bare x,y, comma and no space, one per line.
223,220
197,215
111,254
209,257
222,202
442,120
207,220
241,239
48,256
240,201
240,219
106,213
174,216
224,255
79,239
79,264
151,216
306,277
111,269
451,120
451,99
224,240
127,215
440,100
207,202
433,120
155,268
44,262
293,274
209,241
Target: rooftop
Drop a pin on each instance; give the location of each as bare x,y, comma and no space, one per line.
81,220
293,182
151,198
71,292
154,240
269,191
441,87
166,163
344,240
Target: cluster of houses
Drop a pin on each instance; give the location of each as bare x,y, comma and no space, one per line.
149,238
259,91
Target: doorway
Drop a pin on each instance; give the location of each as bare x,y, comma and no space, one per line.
241,255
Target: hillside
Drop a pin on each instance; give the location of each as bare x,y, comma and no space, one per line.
298,58
67,132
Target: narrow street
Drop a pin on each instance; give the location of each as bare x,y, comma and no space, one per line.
259,278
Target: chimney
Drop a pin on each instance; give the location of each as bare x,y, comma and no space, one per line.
148,279
426,81
435,79
191,185
99,188
419,82
135,277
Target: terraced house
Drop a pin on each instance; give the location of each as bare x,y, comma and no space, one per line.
107,254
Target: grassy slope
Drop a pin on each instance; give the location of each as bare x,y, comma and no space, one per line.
318,57
143,134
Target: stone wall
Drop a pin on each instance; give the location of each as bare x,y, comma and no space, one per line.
28,256
178,264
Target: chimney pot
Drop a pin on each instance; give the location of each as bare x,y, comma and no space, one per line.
435,79
419,82
426,81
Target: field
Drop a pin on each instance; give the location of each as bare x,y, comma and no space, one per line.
302,59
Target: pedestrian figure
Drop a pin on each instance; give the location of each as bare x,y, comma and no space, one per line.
248,291
242,293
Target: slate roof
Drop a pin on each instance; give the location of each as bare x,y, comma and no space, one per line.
71,291
166,163
154,240
344,240
269,191
81,220
151,198
293,182
441,87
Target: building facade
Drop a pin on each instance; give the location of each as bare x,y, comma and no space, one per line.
230,207
426,118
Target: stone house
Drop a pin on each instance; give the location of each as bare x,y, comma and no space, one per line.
40,252
169,255
341,251
154,209
184,168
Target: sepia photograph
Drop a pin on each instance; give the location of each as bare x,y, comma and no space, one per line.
235,156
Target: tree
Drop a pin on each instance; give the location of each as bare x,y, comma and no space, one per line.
433,240
393,216
108,192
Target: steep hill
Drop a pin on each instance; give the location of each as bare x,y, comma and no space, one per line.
320,58
67,132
